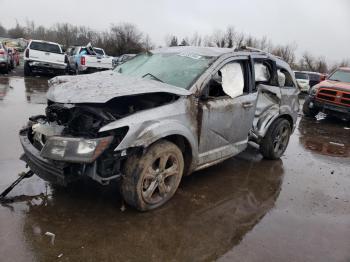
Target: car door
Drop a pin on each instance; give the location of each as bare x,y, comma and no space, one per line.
226,111
289,94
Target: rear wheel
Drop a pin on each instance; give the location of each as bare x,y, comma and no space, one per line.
5,69
27,70
76,69
152,179
276,139
309,112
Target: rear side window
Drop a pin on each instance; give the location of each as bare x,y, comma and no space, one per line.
262,72
98,51
286,78
45,47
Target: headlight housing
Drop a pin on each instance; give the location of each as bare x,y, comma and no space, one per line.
76,150
313,91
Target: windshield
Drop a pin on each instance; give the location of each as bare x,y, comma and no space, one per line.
45,47
341,76
303,76
98,51
178,69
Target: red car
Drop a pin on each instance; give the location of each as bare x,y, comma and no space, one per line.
331,96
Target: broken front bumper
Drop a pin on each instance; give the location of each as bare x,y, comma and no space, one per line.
329,107
63,173
45,169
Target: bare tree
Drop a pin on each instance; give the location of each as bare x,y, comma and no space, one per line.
195,40
287,53
17,32
3,31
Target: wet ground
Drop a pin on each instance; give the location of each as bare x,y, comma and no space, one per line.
245,209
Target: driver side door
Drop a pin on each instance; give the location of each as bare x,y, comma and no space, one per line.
227,111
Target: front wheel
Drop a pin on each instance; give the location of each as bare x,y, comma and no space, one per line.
276,139
309,112
152,179
6,69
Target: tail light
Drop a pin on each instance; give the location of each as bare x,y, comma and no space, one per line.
2,52
27,53
82,60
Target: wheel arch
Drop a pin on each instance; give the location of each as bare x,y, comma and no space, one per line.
267,122
186,148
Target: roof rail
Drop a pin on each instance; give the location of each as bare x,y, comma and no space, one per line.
253,49
250,49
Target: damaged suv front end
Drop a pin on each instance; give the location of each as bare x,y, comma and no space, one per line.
88,130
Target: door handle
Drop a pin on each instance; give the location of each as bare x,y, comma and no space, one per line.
247,104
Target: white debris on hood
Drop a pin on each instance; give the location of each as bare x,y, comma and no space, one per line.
103,86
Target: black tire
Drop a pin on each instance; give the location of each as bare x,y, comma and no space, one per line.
5,69
150,180
77,69
276,139
27,70
309,112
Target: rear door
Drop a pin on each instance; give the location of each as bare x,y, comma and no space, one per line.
266,84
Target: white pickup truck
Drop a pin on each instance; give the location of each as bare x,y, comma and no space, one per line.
88,59
44,57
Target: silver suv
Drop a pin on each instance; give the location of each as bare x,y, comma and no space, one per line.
162,115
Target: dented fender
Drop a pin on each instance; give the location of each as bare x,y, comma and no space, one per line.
148,126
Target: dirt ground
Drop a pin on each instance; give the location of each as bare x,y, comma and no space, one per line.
245,209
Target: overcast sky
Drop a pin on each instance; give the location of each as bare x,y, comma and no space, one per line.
319,26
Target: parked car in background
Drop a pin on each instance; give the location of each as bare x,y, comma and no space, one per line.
44,57
122,59
88,59
5,59
331,96
303,80
14,57
315,78
164,114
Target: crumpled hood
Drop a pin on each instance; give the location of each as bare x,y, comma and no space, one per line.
103,86
334,84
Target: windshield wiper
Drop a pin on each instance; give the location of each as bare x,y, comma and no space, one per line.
154,77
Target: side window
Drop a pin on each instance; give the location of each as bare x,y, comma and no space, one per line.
229,81
284,78
262,72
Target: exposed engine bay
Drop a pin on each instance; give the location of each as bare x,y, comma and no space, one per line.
76,127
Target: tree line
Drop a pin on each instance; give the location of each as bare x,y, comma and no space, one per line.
126,38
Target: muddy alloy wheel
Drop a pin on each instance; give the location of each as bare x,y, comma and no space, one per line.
276,139
152,179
